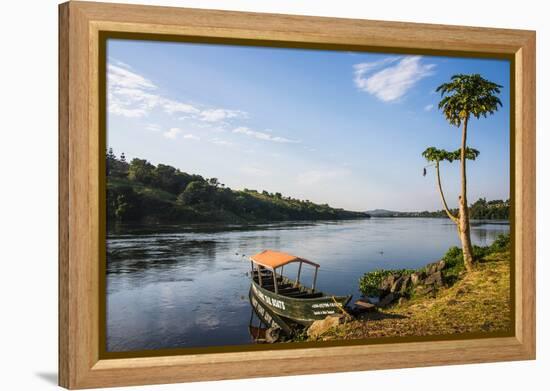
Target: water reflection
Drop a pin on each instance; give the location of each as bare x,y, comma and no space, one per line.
187,286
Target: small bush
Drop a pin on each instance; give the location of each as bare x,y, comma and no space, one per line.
453,257
454,264
501,243
479,252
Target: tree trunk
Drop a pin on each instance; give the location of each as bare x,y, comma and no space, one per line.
463,214
442,195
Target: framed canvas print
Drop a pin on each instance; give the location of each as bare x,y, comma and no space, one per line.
247,195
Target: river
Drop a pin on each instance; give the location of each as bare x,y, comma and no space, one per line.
187,286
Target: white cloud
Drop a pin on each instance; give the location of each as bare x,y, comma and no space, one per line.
392,82
119,63
263,135
217,115
132,95
153,128
428,107
172,106
172,133
123,78
223,143
365,67
191,137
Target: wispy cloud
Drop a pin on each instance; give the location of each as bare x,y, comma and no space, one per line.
217,115
172,106
122,77
172,133
119,63
191,137
391,78
153,128
130,94
265,136
223,143
428,107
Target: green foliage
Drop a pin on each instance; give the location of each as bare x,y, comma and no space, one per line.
454,263
170,179
369,283
501,243
467,95
479,210
488,210
141,170
141,191
123,203
197,192
116,167
432,154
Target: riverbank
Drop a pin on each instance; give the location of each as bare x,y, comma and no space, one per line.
132,201
476,302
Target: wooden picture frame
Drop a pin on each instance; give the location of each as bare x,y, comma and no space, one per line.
81,243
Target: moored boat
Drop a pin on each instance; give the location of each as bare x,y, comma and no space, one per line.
287,297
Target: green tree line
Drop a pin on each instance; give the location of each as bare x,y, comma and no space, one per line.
479,210
139,191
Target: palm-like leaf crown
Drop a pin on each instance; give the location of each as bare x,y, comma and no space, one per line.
467,95
433,154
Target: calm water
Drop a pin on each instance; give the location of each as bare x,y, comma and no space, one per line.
188,286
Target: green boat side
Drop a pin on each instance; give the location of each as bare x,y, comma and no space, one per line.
301,310
267,316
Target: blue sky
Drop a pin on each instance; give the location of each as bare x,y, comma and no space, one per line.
342,128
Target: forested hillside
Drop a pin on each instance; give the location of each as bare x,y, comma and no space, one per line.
139,191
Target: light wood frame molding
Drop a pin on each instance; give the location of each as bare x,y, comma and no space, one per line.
80,24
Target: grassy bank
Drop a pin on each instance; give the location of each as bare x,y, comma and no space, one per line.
475,302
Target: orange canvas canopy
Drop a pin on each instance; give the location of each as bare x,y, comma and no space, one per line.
274,259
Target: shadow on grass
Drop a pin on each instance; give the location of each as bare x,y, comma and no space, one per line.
379,316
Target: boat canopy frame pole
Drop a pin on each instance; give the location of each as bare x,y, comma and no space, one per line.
314,279
275,280
260,275
298,277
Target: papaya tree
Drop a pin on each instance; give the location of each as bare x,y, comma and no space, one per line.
463,97
435,157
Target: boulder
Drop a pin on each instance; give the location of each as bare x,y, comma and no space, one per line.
387,283
387,300
434,279
435,267
272,334
405,284
424,289
363,306
431,268
396,284
320,327
417,277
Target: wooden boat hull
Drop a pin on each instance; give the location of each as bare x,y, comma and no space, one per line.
303,311
267,316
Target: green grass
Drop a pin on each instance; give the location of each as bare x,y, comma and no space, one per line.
475,302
